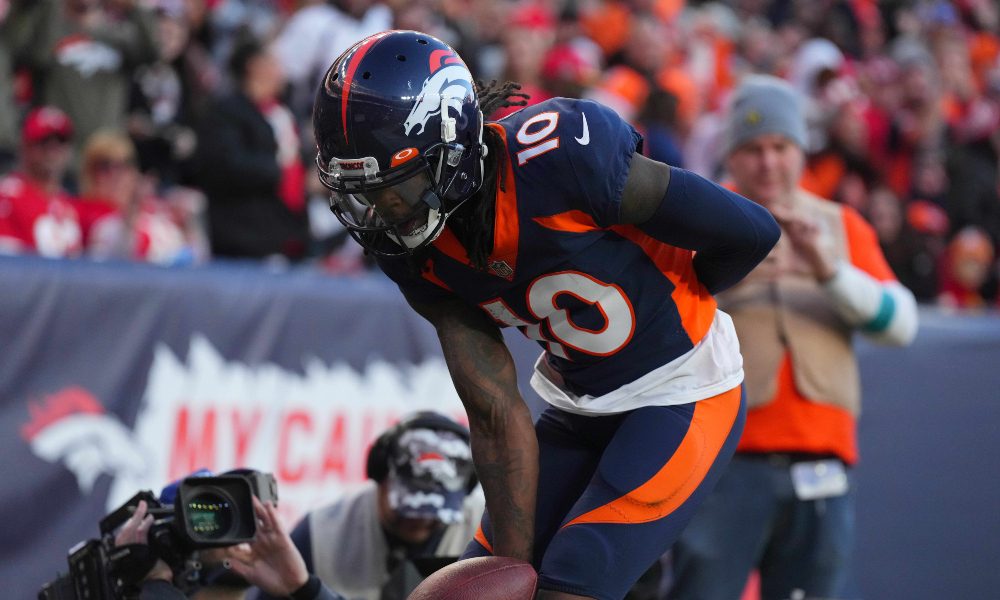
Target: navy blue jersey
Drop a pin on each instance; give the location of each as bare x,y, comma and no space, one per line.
608,303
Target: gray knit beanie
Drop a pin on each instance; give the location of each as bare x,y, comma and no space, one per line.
763,104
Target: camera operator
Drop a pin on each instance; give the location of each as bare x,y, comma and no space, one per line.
417,513
271,562
158,582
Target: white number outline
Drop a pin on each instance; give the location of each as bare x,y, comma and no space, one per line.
500,312
536,139
611,302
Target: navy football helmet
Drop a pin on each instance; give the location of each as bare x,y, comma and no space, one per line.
398,110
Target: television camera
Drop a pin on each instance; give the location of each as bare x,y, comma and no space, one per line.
207,512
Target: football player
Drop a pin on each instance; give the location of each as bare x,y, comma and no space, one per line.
552,221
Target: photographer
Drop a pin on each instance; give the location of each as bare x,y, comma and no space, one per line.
420,508
158,582
270,562
200,537
273,563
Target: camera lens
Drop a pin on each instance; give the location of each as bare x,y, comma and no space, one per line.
210,515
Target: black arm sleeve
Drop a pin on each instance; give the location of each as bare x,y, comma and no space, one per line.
729,233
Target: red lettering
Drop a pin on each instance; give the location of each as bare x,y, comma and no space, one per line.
334,451
244,432
192,449
287,472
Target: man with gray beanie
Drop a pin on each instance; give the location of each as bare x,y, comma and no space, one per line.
784,505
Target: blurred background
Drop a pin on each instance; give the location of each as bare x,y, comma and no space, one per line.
176,297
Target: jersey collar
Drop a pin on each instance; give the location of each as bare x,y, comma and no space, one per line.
503,258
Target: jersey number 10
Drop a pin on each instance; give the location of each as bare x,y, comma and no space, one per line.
536,140
542,295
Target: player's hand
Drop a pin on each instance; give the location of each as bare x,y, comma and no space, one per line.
807,241
271,561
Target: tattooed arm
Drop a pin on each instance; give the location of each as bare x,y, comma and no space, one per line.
504,447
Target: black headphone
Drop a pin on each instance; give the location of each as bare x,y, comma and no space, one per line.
384,447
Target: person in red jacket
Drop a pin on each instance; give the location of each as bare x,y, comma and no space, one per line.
36,212
121,216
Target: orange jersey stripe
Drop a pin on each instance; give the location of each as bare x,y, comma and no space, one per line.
695,305
571,221
428,273
449,245
481,538
505,230
711,424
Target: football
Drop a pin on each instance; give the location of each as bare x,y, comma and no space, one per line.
482,578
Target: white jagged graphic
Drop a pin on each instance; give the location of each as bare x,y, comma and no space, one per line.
311,429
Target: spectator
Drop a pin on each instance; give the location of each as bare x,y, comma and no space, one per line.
903,94
316,34
250,167
36,211
912,237
203,74
84,53
607,23
161,110
422,502
8,114
918,124
968,268
785,504
529,33
972,196
623,89
273,563
567,71
658,124
842,170
119,214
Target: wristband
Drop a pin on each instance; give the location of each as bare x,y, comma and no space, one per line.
309,589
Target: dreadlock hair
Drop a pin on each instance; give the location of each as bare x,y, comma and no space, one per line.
474,227
494,96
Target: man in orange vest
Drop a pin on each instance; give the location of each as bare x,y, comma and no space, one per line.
784,504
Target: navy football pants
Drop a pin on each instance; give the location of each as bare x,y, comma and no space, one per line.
615,491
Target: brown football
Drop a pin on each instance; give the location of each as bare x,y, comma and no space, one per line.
482,578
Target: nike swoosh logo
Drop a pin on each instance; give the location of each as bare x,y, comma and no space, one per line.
585,139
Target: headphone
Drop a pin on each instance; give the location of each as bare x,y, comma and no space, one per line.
385,447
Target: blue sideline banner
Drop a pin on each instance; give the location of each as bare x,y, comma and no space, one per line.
117,378
928,490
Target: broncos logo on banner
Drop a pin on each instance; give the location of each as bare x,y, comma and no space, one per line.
449,84
72,427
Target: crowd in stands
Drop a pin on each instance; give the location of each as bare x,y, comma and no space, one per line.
178,131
